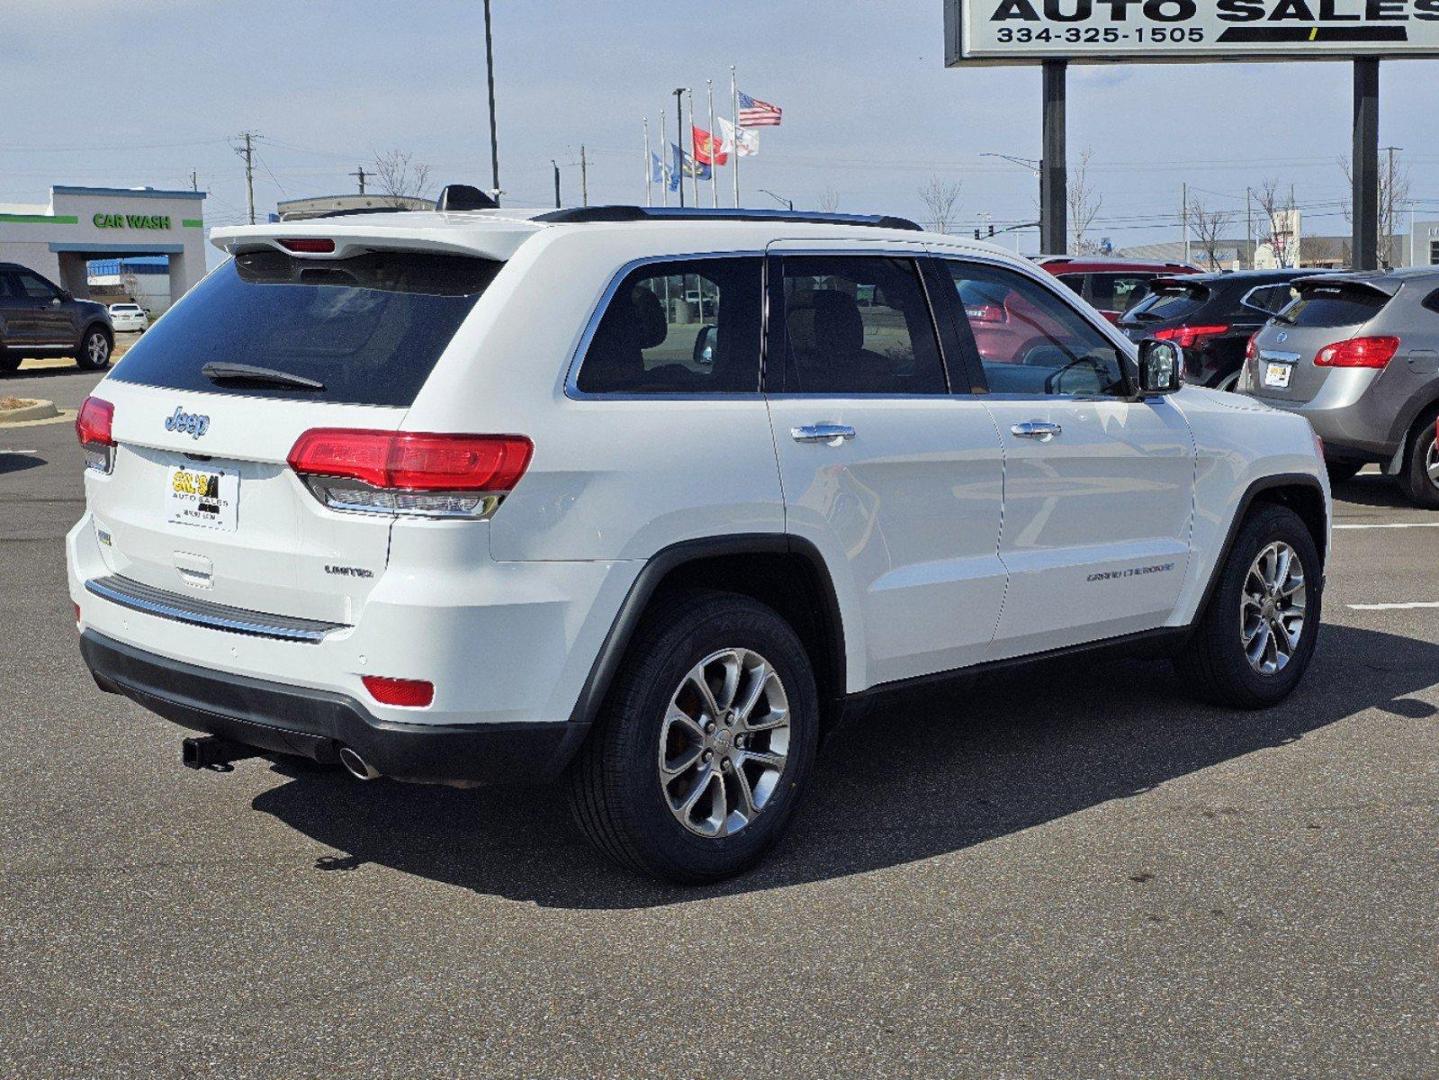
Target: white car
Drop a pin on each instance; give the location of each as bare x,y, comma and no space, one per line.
129,318
448,497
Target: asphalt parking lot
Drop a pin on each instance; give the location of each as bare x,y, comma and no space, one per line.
1074,871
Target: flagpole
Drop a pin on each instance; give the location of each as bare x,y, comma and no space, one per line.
734,115
664,156
695,166
649,167
714,166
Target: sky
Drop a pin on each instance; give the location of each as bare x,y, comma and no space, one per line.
143,92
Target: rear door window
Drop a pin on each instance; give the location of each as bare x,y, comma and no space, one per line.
1173,303
686,327
1335,305
368,329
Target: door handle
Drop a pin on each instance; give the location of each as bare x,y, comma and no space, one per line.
825,433
1042,430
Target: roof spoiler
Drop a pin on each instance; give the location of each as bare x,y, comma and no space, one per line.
1384,284
464,197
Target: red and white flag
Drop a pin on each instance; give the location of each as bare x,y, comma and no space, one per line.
743,142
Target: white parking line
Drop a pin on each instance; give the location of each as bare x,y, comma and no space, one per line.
1394,607
1395,525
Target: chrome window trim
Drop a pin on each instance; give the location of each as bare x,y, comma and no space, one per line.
206,613
592,325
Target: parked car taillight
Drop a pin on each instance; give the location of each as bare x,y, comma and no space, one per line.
1360,352
990,313
408,693
93,427
402,472
1186,336
1251,347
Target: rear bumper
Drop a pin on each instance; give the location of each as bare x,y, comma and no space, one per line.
280,718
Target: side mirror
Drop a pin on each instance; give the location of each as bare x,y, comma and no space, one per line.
705,341
57,300
1161,364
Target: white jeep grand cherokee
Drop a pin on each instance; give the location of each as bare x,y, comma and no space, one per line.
649,499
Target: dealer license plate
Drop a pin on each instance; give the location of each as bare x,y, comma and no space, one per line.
1277,375
205,498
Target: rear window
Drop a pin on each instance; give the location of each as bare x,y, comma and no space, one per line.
1334,305
368,328
1170,302
1118,292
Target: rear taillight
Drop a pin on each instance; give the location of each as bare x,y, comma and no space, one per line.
407,693
1251,347
1186,336
401,472
1360,352
93,424
988,313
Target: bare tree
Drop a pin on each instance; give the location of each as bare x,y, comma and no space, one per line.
1280,221
940,198
1084,204
829,201
401,176
1208,228
1393,196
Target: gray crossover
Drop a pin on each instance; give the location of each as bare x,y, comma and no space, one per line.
1358,355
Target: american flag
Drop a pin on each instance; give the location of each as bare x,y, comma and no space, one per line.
756,113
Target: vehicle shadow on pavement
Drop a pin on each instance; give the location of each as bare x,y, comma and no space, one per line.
923,775
13,463
1374,491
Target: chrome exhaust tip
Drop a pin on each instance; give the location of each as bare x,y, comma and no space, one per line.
357,766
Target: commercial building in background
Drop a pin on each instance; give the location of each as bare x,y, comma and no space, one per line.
321,205
80,225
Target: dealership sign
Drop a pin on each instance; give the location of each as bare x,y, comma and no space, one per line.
1023,31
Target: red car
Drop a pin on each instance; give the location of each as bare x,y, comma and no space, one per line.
1113,286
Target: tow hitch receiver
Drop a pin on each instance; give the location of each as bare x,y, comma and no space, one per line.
214,753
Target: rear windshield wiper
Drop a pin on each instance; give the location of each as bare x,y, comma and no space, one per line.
220,372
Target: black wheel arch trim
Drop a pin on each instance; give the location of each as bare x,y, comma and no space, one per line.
1246,502
667,560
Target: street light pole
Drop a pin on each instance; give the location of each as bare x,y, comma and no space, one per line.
494,138
679,134
777,198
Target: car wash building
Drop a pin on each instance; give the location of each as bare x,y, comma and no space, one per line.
81,225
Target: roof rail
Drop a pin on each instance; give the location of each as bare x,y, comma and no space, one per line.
579,214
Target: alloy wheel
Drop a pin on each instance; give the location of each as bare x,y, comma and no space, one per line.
1271,611
98,349
725,742
1431,462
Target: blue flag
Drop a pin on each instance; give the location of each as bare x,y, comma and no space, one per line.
658,173
685,165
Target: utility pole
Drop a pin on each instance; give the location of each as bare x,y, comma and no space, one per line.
248,153
584,177
1249,228
490,75
679,135
556,166
194,180
1364,194
1386,210
1053,163
1184,216
360,174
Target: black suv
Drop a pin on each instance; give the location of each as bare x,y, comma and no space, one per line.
38,318
1211,317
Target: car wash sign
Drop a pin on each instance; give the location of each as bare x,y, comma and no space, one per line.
1024,31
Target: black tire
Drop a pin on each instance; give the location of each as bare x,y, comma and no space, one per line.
89,354
8,363
615,788
1341,471
1213,660
1421,489
1228,382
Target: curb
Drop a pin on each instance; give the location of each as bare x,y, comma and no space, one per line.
37,409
